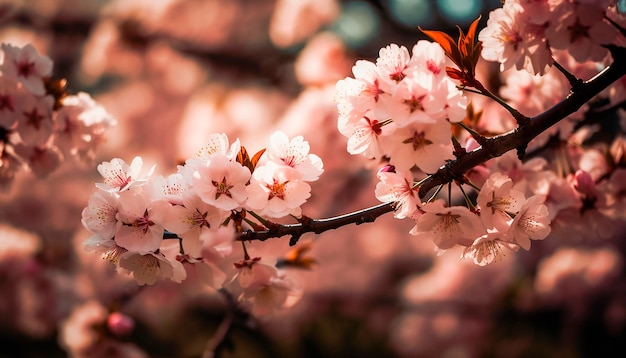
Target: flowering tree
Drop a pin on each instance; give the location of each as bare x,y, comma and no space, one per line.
477,170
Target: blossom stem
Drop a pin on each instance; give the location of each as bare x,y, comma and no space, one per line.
435,194
261,219
472,185
245,251
519,118
469,203
616,25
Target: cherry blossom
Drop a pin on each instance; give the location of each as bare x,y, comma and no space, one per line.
426,146
34,123
99,217
398,188
221,182
27,66
216,143
294,153
488,248
139,228
364,136
392,64
579,28
262,287
80,125
276,191
448,226
10,97
191,219
530,223
149,267
498,201
119,176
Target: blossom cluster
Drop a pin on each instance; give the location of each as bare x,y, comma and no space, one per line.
503,216
401,107
524,33
400,110
40,124
203,206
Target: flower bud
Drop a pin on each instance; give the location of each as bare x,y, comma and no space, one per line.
387,169
584,183
120,324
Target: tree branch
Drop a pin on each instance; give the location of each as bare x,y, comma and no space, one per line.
522,135
318,226
454,170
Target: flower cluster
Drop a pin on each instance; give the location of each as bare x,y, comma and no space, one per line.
203,206
401,107
503,217
40,124
400,111
523,33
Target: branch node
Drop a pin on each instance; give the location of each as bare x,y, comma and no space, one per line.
294,239
521,151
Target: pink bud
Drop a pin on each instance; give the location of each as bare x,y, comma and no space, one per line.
120,324
387,169
583,182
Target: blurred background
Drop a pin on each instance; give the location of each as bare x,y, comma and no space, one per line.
173,71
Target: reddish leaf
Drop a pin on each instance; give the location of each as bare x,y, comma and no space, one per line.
255,158
445,41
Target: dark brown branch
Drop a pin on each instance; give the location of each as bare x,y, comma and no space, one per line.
454,170
521,136
318,226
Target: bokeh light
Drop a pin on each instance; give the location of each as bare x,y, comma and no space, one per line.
357,24
412,13
460,11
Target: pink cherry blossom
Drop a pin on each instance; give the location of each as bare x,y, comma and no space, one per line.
138,229
448,226
511,39
27,66
99,217
262,287
34,123
190,220
488,248
216,143
429,57
41,160
80,125
276,191
392,64
426,146
294,153
498,201
364,136
119,176
415,100
530,223
106,247
150,267
10,95
397,187
579,28
221,182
